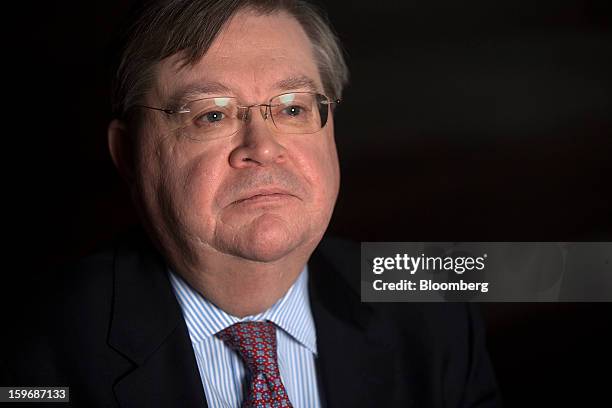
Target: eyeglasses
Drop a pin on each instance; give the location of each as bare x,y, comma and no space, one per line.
219,117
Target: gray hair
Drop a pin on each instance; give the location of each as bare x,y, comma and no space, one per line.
161,28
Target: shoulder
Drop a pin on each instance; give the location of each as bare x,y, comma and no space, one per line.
344,258
64,321
440,345
447,329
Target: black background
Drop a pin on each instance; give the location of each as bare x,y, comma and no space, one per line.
464,121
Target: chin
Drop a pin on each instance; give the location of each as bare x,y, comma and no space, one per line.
268,238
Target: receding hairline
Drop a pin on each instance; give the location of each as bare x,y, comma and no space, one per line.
203,87
131,78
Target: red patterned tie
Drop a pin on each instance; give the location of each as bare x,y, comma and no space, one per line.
256,344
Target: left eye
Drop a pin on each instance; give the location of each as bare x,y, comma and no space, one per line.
211,117
293,110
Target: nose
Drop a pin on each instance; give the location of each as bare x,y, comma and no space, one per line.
259,145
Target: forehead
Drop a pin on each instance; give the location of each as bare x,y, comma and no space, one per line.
250,56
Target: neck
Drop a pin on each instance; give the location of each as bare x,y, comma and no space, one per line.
239,286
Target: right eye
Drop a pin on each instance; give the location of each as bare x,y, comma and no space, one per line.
210,118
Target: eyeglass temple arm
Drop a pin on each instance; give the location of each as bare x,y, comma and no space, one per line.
335,101
165,110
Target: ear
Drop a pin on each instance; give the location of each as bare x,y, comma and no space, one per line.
121,149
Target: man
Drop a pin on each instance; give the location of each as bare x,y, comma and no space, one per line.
224,135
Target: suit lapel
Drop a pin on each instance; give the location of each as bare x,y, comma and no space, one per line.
357,361
147,327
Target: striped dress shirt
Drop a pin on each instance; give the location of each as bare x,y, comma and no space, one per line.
222,371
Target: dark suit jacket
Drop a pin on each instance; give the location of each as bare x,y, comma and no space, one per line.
112,330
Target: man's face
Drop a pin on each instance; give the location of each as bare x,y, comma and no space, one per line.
258,194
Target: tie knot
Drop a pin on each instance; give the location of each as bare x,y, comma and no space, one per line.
256,344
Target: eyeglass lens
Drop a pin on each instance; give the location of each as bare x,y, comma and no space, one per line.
290,113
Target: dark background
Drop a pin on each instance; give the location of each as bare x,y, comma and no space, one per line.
464,121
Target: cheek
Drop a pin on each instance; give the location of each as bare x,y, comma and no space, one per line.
319,166
149,170
200,178
189,176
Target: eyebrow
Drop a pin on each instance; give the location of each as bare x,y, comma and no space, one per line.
297,82
194,91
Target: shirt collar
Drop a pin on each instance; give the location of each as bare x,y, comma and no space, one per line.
291,312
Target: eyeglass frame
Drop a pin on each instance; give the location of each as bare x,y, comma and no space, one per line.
264,113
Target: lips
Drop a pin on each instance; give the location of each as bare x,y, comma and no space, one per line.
264,194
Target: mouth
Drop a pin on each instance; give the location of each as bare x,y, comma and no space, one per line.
269,195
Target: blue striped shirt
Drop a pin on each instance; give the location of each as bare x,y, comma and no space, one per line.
222,371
